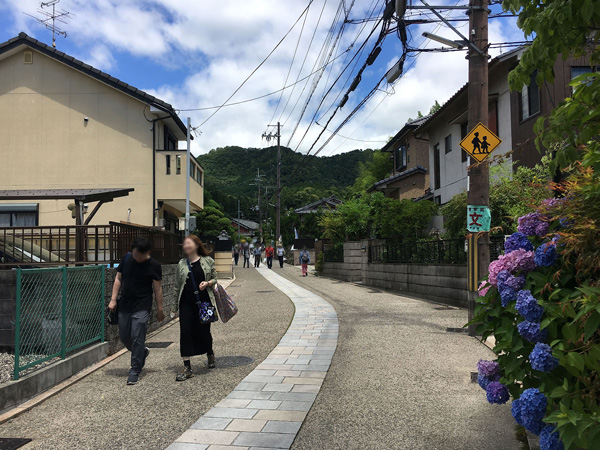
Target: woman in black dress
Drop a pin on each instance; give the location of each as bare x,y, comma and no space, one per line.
195,337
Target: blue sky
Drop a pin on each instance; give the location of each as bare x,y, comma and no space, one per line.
194,54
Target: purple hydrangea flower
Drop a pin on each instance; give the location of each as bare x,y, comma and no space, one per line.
488,368
545,254
507,295
516,261
496,392
515,283
533,409
532,225
531,332
483,381
541,358
528,306
515,409
516,241
550,439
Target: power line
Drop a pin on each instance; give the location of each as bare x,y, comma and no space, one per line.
261,64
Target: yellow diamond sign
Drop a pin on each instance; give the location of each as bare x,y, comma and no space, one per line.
480,142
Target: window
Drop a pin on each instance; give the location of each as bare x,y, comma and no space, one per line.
168,163
437,199
464,129
170,140
580,70
178,164
448,143
436,166
530,98
18,215
192,170
402,157
199,176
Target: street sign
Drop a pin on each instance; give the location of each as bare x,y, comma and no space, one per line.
480,142
479,218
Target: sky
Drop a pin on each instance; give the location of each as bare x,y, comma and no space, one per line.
196,53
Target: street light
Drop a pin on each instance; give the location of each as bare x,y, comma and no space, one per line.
442,40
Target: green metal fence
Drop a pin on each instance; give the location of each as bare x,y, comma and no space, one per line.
58,310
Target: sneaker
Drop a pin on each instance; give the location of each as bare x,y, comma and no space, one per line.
184,374
146,353
133,378
211,362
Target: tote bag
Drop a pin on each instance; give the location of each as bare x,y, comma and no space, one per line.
225,304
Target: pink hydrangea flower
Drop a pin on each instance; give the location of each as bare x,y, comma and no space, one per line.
516,261
483,289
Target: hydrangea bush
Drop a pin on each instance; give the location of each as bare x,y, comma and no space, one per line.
545,319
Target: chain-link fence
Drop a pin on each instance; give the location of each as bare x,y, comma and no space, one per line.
58,310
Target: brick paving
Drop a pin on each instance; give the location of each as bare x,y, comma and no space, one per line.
266,410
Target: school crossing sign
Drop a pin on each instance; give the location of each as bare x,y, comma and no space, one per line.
480,142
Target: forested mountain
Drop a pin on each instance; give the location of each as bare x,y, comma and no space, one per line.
231,173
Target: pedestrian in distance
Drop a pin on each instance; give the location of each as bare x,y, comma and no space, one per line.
236,254
257,255
304,261
269,252
280,255
194,283
246,254
138,275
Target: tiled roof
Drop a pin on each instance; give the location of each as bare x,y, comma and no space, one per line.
399,176
24,39
332,201
249,224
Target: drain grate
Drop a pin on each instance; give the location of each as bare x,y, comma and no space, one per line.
233,361
443,308
263,292
457,330
13,443
157,345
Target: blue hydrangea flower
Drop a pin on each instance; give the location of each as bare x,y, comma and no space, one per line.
511,281
545,254
483,381
541,358
549,439
507,295
531,332
515,409
488,368
532,224
528,306
516,241
496,392
533,409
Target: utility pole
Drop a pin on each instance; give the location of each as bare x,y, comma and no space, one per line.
278,207
257,183
239,213
187,177
479,174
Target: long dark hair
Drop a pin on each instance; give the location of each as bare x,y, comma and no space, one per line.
199,245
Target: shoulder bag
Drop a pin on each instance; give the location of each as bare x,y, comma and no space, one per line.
225,304
207,311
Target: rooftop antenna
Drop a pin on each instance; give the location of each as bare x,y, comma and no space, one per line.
49,19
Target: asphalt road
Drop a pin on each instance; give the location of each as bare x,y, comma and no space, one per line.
398,380
101,412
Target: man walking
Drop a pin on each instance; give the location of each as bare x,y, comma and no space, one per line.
246,254
137,276
280,255
257,255
269,252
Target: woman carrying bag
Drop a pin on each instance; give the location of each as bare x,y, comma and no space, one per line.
195,282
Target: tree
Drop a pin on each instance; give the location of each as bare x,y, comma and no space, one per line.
211,221
370,172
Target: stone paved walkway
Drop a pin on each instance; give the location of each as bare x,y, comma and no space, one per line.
266,410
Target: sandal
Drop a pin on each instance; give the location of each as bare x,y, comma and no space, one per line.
184,374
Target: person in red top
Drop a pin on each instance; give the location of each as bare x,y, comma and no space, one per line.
269,252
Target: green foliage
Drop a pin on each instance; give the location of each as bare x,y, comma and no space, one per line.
510,198
320,263
211,221
571,317
373,170
373,215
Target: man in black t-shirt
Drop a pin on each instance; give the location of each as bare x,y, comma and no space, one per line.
138,275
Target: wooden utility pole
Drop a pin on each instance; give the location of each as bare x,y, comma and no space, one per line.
479,174
278,218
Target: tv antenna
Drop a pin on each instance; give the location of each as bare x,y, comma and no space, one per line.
49,19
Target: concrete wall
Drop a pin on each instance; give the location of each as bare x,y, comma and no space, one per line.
443,283
8,286
46,143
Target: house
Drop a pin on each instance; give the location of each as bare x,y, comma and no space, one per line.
511,117
245,227
67,125
331,202
410,173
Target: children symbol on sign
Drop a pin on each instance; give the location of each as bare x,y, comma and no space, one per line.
485,145
477,143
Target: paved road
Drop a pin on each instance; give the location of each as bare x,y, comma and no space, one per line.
101,412
398,380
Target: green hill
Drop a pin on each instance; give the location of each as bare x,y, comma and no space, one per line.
231,171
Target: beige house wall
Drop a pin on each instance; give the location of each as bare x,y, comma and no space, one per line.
47,143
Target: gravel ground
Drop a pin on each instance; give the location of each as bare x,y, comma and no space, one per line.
101,412
7,365
398,380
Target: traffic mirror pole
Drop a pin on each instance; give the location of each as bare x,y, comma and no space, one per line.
479,174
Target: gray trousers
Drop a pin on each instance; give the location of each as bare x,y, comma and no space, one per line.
132,331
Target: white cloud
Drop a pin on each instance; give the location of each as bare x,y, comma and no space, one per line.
217,43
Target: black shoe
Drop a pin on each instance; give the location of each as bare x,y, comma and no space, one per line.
146,353
133,378
211,362
185,374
